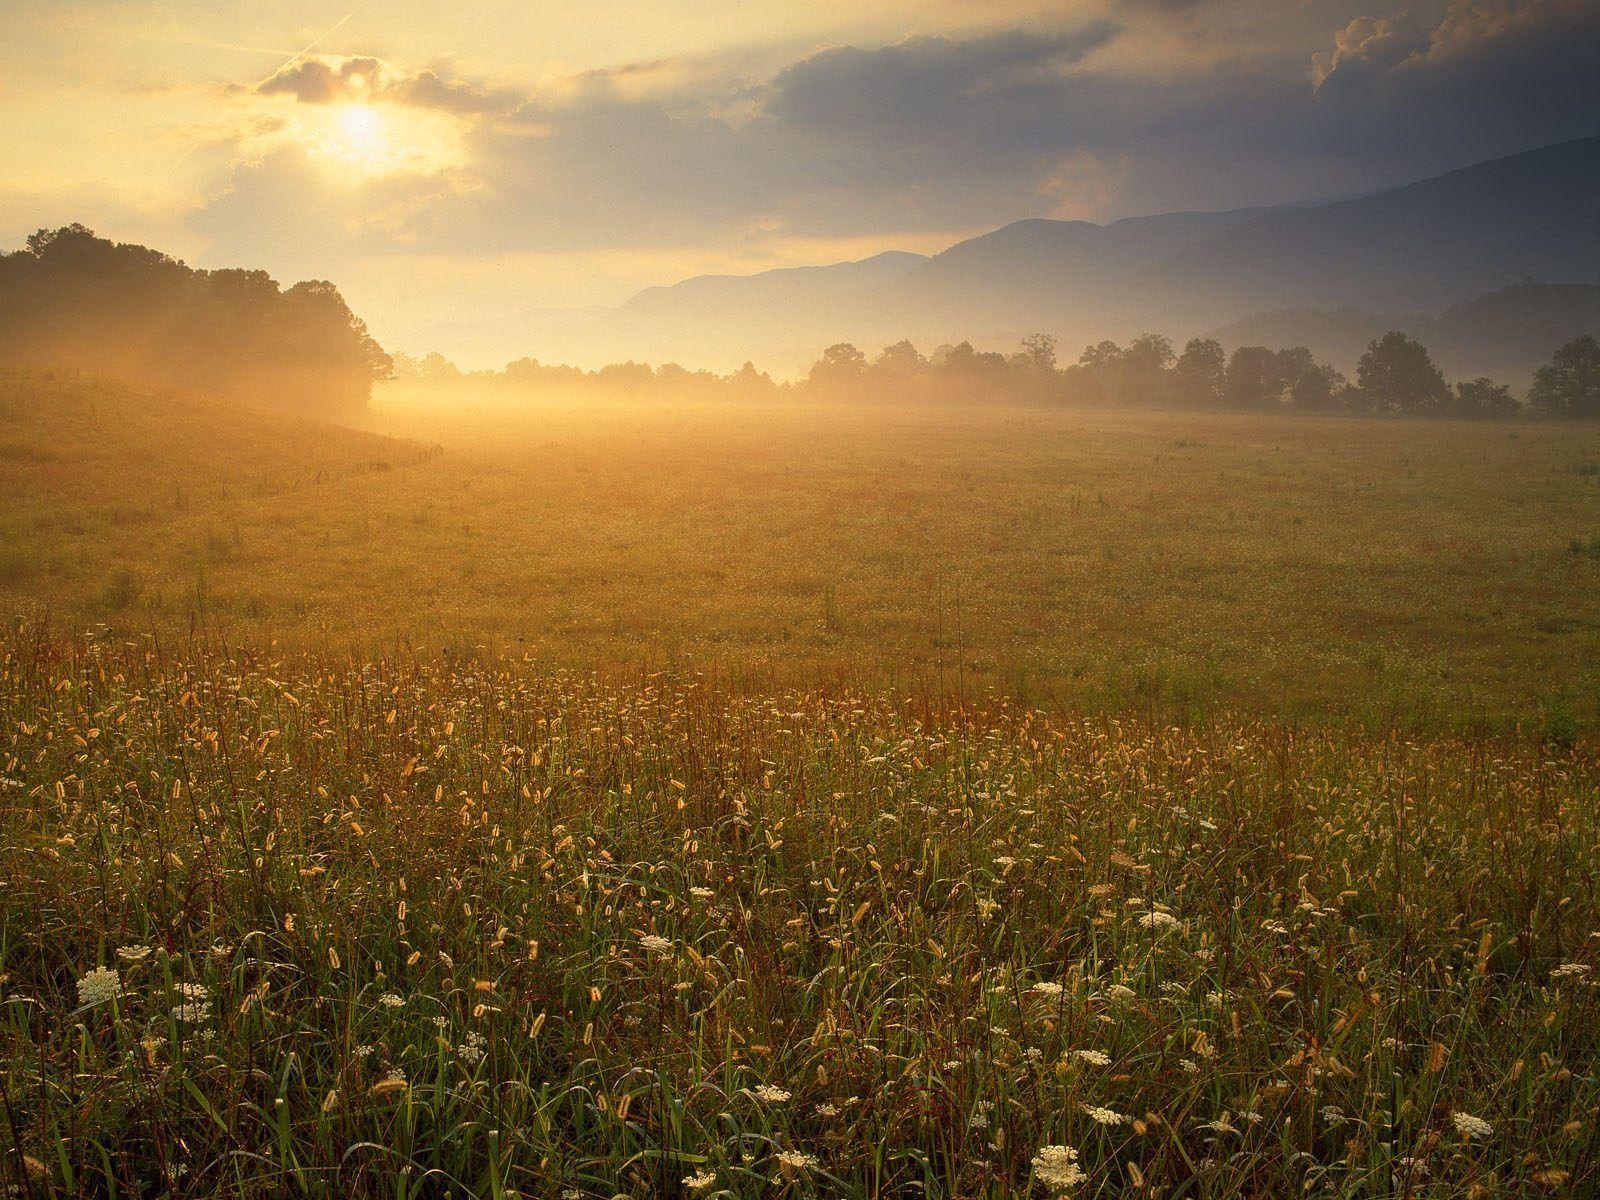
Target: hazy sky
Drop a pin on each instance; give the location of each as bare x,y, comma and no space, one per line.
477,161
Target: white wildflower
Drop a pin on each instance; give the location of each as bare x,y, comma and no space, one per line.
768,1094
1057,1167
1471,1126
1104,1116
99,986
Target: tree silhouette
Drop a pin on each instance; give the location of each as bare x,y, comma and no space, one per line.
1202,372
71,299
1397,374
1570,385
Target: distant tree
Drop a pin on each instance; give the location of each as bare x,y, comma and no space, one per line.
1305,383
1570,385
1101,354
436,368
1483,398
1397,374
841,366
625,377
1039,352
901,359
751,383
1253,379
1202,372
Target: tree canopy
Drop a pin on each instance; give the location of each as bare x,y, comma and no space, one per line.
71,299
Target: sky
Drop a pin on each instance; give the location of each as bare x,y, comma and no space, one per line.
486,161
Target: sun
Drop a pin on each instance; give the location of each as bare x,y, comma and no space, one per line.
362,128
359,142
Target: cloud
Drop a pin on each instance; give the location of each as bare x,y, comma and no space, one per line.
1366,48
927,133
366,80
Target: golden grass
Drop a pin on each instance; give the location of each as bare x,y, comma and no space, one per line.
1435,575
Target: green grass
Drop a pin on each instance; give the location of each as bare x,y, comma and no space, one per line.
820,801
418,896
1393,574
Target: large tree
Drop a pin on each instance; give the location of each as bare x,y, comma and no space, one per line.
1202,372
1397,374
1570,385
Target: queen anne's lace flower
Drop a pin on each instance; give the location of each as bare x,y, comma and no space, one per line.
1057,1167
99,986
1471,1126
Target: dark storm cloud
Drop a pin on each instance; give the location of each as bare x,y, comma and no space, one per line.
935,133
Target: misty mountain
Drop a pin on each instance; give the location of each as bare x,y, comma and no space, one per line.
1034,268
1504,334
1415,250
1423,246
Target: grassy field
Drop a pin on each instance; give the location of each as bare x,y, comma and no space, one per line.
1431,576
385,927
581,802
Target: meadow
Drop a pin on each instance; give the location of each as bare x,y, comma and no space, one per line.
1428,576
572,801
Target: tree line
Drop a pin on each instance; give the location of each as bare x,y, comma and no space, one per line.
1396,375
71,299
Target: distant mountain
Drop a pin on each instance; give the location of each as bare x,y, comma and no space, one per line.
1416,249
1033,270
1506,334
1423,246
840,283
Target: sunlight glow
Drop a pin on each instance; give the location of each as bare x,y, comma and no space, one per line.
366,141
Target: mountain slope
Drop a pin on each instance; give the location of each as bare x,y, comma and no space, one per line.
1506,334
1422,246
1413,249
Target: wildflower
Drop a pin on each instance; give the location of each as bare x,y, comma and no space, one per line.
1104,1116
1095,1058
99,986
700,1180
768,1094
192,1012
1333,1114
1570,970
1118,991
1471,1126
980,1114
795,1160
133,954
655,943
827,1110
987,907
1057,1167
391,1000
192,991
1047,989
1190,1067
471,1051
701,893
1160,920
